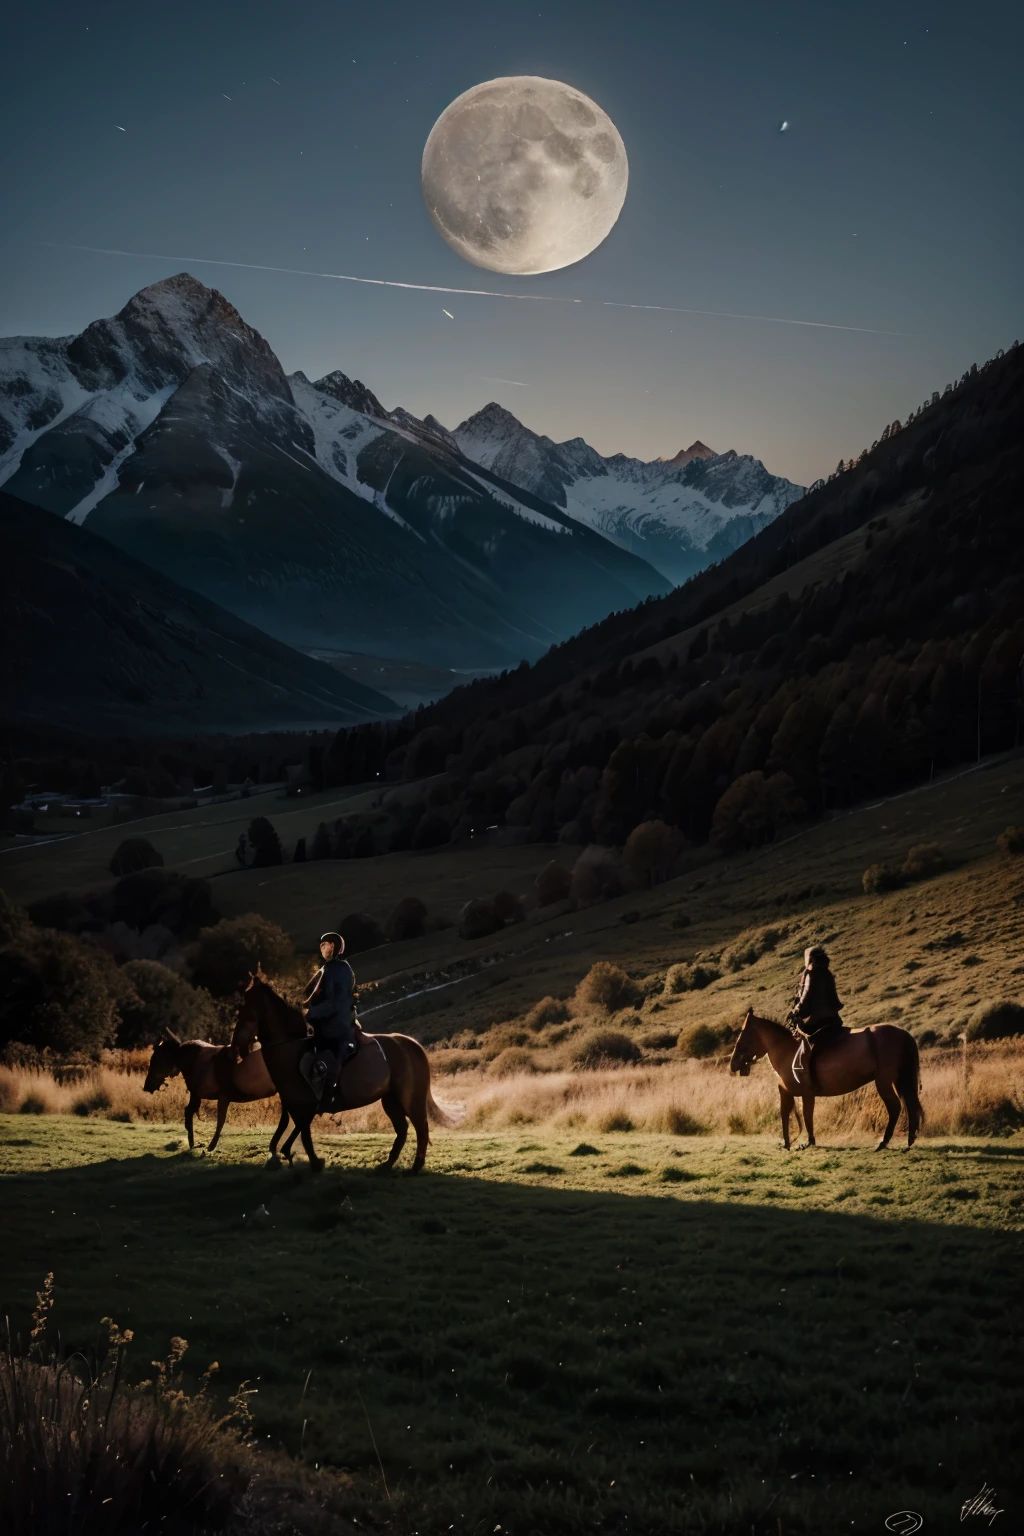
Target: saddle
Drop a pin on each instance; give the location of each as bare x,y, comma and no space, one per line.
317,1067
803,1062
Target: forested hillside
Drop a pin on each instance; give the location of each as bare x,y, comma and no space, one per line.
870,637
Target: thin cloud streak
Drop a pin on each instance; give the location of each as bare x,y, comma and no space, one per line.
476,293
487,378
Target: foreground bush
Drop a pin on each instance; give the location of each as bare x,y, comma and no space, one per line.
223,956
86,1452
134,855
607,987
881,877
603,1048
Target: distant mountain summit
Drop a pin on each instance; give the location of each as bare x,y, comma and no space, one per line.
681,514
696,450
305,509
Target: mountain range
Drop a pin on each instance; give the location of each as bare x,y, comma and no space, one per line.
311,512
681,514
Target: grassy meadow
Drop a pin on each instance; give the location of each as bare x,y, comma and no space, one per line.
545,1333
612,1303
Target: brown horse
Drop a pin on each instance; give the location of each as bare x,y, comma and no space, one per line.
883,1054
210,1072
392,1068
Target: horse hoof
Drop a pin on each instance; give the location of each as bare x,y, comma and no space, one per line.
273,1161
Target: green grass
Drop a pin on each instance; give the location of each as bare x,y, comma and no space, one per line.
803,1343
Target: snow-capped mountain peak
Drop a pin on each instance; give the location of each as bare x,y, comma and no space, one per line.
679,513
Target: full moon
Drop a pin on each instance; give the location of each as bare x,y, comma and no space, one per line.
524,175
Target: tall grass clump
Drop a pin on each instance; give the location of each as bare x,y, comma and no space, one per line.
604,1048
81,1449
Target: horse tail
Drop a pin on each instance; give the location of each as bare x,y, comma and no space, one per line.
908,1081
438,1116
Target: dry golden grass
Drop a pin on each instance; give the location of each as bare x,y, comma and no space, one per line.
981,1094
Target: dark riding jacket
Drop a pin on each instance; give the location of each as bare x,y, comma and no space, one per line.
817,1001
331,1010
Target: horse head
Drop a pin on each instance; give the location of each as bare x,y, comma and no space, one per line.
243,1036
164,1062
748,1047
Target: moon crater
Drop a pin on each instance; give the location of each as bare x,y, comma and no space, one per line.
524,175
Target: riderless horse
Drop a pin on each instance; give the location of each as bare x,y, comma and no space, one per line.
210,1072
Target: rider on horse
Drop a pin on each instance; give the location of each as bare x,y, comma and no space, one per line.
331,1005
816,1008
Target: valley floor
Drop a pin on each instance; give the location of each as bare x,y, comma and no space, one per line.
631,1333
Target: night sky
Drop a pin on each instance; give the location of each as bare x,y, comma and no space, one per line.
891,203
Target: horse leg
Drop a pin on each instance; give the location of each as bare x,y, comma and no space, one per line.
419,1122
222,1114
286,1150
193,1104
396,1114
281,1124
316,1163
786,1102
807,1100
891,1099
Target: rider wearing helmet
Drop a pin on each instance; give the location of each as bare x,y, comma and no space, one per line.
331,1005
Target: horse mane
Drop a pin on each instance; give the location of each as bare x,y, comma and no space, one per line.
260,981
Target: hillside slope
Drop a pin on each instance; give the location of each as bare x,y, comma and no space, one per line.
95,640
870,636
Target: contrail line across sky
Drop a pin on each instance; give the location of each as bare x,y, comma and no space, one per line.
476,293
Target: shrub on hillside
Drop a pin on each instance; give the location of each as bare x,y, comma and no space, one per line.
595,876
320,848
509,908
511,1061
996,1021
1011,841
360,932
749,947
651,850
478,919
159,1000
224,956
607,987
550,1010
265,842
134,855
604,1048
659,1039
553,883
408,920
698,1041
923,861
58,993
882,877
691,977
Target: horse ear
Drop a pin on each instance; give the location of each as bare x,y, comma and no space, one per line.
171,1037
260,976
